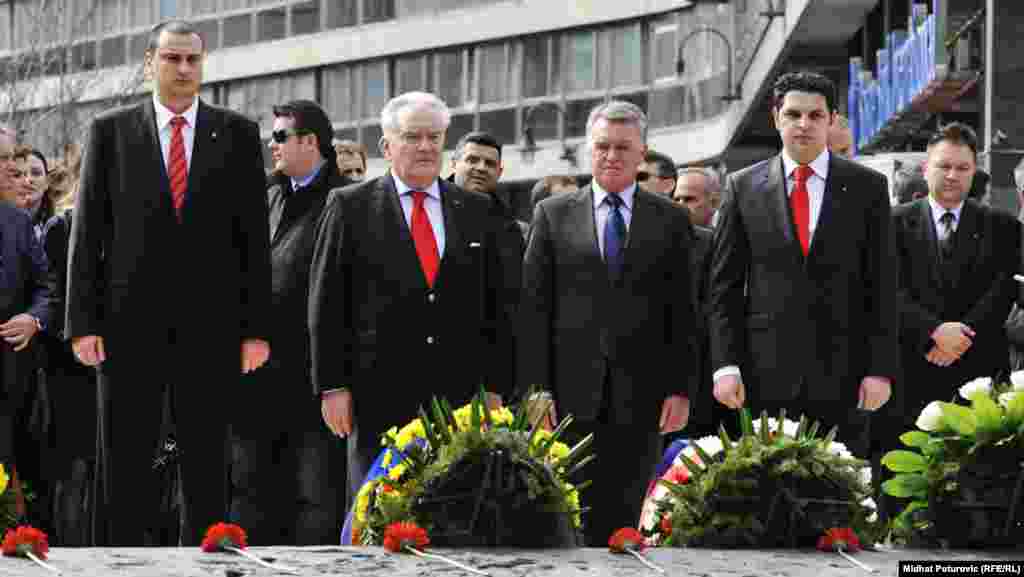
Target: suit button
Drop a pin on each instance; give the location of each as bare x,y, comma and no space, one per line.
431,298
430,340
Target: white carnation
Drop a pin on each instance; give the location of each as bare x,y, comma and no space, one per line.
789,427
870,504
1005,398
979,385
1017,379
711,445
837,448
865,476
930,418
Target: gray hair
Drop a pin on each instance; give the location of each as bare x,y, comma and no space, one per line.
714,183
1018,175
389,114
618,111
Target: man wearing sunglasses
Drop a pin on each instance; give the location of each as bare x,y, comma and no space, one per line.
169,284
287,471
657,174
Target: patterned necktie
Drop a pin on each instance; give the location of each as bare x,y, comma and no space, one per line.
801,205
946,240
423,237
177,167
614,235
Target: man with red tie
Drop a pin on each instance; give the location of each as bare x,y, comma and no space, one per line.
406,298
802,285
169,284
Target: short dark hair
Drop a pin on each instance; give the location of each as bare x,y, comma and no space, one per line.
956,133
810,82
308,116
181,27
477,137
666,166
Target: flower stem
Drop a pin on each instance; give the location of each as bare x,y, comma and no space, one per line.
251,557
419,553
646,562
850,558
42,563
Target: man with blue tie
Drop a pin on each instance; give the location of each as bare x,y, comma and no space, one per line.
607,319
406,296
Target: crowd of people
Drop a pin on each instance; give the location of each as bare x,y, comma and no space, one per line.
188,340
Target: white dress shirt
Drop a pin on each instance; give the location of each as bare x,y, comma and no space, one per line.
815,196
602,210
431,204
937,212
165,131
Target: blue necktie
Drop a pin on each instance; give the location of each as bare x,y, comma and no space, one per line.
614,236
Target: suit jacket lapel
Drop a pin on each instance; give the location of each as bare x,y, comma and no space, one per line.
642,213
774,187
153,154
585,235
451,206
968,234
204,140
836,182
929,241
390,208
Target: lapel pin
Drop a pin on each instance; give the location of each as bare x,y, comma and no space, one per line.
474,244
213,136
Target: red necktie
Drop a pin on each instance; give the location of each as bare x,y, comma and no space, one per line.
801,205
177,167
423,237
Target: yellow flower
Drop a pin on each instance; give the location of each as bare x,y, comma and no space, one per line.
502,416
573,499
391,433
411,432
363,501
396,472
3,479
559,450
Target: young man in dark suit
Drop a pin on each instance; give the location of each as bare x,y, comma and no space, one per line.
802,283
957,259
288,472
607,317
169,283
407,294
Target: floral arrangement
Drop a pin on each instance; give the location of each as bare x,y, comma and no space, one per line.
960,456
29,543
9,501
422,456
778,484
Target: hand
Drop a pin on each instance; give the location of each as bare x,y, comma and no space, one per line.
544,409
953,338
255,353
19,331
939,358
336,408
493,401
730,392
89,350
874,392
675,413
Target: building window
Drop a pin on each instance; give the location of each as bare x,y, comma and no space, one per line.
493,74
108,13
339,98
543,121
272,23
577,112
137,45
378,10
237,30
83,57
462,124
376,88
663,51
342,13
626,56
200,7
579,61
449,77
409,74
6,31
535,66
500,123
112,52
306,17
371,139
666,106
297,86
139,14
170,9
210,31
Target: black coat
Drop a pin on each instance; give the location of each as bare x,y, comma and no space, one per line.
804,327
378,329
981,294
577,324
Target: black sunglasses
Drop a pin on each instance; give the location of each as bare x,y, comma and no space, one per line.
643,176
281,136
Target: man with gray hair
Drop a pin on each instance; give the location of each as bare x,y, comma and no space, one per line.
696,190
406,298
608,320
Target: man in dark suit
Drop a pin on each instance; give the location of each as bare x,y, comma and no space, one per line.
169,283
607,317
957,258
26,289
406,297
288,472
802,284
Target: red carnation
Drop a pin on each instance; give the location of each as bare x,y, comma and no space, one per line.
222,535
24,540
678,474
398,536
626,538
839,539
666,526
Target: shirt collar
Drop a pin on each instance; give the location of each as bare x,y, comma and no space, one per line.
164,114
626,195
819,165
402,188
939,210
305,180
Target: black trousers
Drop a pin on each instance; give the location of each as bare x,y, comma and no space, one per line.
288,474
130,417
